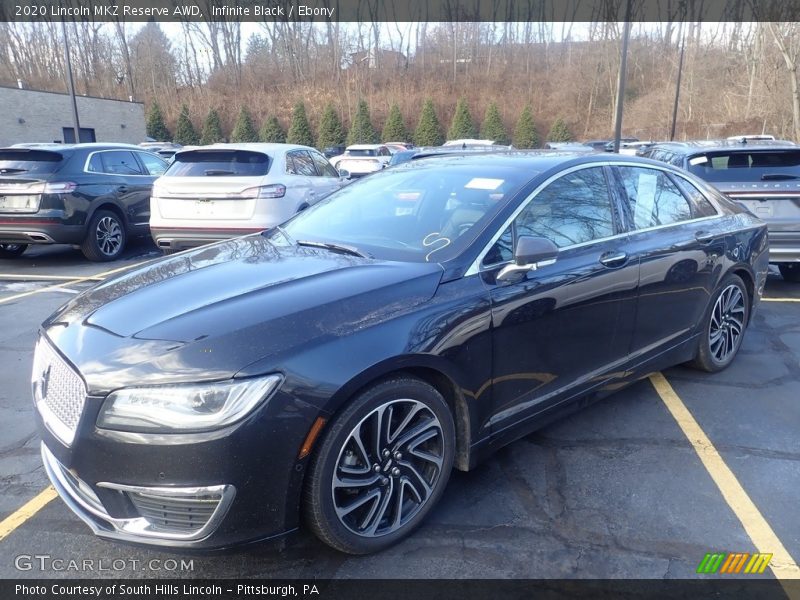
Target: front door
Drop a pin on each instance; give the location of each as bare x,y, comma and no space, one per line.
566,327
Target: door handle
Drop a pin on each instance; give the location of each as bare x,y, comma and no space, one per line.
613,259
704,237
123,189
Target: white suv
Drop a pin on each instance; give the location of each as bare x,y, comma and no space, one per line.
362,159
220,191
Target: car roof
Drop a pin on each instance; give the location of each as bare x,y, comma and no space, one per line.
696,146
364,147
534,160
264,148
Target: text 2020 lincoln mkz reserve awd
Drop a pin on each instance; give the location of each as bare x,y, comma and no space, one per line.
331,372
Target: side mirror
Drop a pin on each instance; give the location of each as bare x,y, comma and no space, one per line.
344,173
530,254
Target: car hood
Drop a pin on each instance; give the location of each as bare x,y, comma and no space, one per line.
208,313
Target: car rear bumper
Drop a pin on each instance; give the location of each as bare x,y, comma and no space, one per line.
784,246
39,231
182,238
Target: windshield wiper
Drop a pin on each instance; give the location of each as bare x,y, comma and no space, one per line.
12,170
777,176
212,172
334,247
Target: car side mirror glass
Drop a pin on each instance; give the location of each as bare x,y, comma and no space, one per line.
530,253
344,173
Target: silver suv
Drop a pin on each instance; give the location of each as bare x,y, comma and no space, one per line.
762,175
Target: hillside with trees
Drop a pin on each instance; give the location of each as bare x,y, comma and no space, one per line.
472,77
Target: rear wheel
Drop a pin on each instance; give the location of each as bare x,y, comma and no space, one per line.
105,238
381,467
12,250
790,272
725,322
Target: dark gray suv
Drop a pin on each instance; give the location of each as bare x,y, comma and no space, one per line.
764,176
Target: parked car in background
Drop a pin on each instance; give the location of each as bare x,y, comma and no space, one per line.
362,159
215,192
634,148
333,151
597,145
95,196
332,372
567,147
626,140
398,146
165,150
763,176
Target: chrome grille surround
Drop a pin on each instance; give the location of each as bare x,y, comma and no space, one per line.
83,502
58,392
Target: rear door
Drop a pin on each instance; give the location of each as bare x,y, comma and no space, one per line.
129,182
565,327
328,180
303,185
677,239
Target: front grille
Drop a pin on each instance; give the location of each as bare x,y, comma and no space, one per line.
58,391
174,514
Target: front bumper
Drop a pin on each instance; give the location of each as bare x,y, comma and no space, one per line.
200,491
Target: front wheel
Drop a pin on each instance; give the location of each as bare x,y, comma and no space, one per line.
724,325
381,467
12,250
105,237
790,272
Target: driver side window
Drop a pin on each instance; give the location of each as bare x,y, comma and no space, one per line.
573,209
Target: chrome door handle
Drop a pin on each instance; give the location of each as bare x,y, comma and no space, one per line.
614,259
704,237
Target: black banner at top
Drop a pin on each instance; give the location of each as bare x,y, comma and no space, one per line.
400,10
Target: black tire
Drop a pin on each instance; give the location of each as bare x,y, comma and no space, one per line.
724,324
12,250
394,505
790,272
105,237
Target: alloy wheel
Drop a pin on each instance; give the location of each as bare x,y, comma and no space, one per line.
727,323
388,468
109,236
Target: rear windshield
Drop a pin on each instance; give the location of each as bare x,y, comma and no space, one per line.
219,163
764,165
361,153
29,162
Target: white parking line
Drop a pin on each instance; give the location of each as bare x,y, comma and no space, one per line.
37,277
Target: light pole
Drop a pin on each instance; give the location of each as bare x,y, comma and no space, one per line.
623,67
76,124
677,87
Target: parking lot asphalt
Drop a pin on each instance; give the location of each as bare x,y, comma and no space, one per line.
617,490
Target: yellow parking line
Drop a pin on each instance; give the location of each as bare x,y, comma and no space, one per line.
10,523
780,299
37,277
49,288
783,565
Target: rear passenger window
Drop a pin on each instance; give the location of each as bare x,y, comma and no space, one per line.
652,198
120,162
303,165
701,207
324,168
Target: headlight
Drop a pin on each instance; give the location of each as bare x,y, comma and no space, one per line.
176,408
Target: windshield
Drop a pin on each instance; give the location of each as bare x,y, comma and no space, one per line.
419,213
29,162
218,163
738,165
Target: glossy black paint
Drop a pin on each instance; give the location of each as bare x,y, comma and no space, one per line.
64,217
507,356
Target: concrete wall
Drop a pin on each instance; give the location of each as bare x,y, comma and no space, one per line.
44,114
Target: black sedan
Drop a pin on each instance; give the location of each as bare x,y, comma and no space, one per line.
95,196
334,370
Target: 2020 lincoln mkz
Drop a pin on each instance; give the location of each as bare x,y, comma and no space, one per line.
332,371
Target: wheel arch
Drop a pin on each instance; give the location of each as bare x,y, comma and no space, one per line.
435,371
